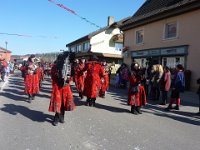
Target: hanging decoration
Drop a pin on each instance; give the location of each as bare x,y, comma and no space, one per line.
16,34
28,36
74,13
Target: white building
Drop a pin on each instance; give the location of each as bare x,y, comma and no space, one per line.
106,43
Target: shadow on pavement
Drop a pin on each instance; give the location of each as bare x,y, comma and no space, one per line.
45,90
185,117
111,108
78,101
16,81
14,91
26,112
82,102
118,94
13,97
17,87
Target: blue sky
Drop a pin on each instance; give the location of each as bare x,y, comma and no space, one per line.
51,27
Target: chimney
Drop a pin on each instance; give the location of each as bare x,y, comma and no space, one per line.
110,20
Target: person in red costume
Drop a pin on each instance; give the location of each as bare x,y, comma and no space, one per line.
31,79
136,92
104,80
61,98
40,74
92,80
79,76
3,66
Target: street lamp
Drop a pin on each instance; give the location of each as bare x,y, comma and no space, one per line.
6,44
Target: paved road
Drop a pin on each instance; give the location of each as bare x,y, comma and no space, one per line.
109,126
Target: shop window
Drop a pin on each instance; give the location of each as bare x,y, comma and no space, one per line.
177,60
171,62
139,37
164,62
170,30
141,61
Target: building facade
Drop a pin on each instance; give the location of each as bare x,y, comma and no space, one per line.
106,43
5,54
167,32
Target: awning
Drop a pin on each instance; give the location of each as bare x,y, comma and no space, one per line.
106,55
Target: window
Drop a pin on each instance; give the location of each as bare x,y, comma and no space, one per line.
177,60
78,48
118,46
86,46
170,30
139,37
164,62
72,49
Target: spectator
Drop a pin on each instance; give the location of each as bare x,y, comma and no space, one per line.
165,84
178,85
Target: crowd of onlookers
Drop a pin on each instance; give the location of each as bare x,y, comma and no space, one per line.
6,68
159,81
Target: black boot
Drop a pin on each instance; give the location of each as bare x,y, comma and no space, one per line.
81,95
93,101
29,98
88,101
62,117
138,109
176,107
56,119
33,97
169,107
103,95
133,110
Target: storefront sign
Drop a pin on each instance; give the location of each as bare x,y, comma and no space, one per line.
155,52
174,51
160,52
140,54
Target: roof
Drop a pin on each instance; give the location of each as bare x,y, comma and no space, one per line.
86,54
4,50
87,37
153,10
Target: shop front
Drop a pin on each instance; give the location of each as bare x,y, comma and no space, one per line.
170,56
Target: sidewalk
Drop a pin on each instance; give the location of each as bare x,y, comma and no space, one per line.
187,98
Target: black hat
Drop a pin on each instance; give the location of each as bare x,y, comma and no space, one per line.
94,58
180,67
32,56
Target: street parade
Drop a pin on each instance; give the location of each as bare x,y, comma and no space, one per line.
100,75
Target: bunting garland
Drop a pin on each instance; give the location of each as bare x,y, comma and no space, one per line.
28,36
73,12
16,34
54,37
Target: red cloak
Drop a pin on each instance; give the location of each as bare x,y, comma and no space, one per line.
92,80
60,94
